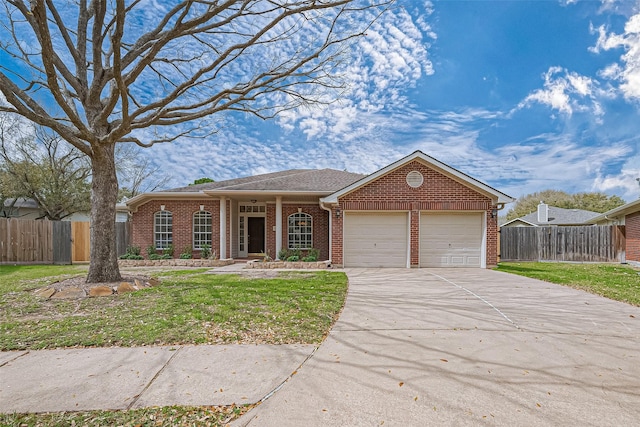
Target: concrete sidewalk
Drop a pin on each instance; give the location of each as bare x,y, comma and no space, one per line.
125,378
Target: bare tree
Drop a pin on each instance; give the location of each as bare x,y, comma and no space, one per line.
40,166
120,71
137,174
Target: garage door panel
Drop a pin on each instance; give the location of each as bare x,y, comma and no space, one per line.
451,239
375,239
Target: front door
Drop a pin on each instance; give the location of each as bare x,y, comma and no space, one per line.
255,234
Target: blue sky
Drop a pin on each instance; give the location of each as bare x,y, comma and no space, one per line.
523,95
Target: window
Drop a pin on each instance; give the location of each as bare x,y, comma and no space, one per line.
201,229
300,231
163,229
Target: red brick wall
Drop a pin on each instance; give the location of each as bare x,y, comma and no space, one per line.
632,228
182,210
438,192
320,227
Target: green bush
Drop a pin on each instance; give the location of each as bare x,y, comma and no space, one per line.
283,254
187,253
205,251
312,255
133,252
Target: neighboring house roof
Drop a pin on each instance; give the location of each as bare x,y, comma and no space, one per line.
617,213
495,195
557,216
21,202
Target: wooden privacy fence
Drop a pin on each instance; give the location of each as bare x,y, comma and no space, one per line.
24,241
587,243
81,241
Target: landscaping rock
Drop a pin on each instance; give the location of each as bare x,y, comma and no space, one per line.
125,287
45,293
100,291
69,293
153,282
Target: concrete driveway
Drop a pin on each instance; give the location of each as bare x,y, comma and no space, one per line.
466,347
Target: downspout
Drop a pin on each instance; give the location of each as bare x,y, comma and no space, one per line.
322,206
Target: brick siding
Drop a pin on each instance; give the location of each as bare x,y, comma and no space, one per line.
391,192
320,227
142,223
183,210
632,228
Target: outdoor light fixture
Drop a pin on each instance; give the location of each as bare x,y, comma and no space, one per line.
253,200
494,212
338,212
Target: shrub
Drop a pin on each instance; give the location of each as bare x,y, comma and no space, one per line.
133,252
312,256
283,254
205,251
151,251
187,253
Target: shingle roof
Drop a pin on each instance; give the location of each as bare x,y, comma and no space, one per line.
561,216
320,180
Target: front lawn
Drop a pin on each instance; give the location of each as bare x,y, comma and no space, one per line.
614,281
188,307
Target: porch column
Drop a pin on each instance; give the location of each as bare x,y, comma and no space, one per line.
223,228
278,226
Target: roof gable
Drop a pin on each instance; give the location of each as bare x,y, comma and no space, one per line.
432,163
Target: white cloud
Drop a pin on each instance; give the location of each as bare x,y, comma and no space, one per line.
379,69
627,73
625,183
567,92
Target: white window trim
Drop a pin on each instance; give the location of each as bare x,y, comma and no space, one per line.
201,233
299,215
168,235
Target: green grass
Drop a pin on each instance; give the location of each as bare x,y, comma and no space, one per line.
614,281
151,417
188,307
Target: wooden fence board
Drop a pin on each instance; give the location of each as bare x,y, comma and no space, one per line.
81,246
61,242
123,237
571,243
24,241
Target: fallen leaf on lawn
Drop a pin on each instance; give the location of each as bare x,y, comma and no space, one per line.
401,384
631,315
538,405
415,399
443,360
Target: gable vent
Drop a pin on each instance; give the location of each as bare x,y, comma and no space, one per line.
415,179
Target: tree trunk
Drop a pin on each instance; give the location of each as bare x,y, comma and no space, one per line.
104,192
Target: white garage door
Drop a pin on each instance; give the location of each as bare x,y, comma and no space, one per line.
451,239
375,239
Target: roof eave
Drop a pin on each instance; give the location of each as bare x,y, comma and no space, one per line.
618,212
233,193
136,201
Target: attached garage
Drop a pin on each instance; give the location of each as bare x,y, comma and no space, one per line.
451,239
375,239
